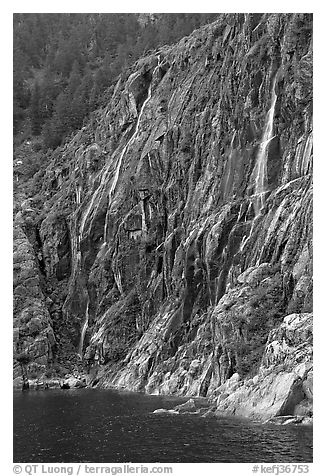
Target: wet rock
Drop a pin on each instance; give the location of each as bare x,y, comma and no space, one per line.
209,414
287,420
188,406
277,394
163,410
294,421
73,382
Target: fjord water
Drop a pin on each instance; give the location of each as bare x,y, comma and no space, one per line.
97,426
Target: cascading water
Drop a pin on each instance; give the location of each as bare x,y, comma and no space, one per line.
118,167
259,171
303,159
83,333
131,140
228,180
111,193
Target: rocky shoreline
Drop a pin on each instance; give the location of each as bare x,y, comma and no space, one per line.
68,382
191,407
200,406
280,393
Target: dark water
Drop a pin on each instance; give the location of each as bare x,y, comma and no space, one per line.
97,426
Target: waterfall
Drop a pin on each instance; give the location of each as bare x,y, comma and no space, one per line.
117,169
83,332
111,193
229,168
126,147
305,165
259,171
78,194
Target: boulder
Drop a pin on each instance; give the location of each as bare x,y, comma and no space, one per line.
276,394
194,367
286,420
304,408
164,410
255,380
73,382
53,383
254,275
307,421
189,406
293,421
235,378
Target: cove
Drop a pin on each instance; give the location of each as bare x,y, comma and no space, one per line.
97,426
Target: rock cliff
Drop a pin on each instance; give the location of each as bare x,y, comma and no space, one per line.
173,232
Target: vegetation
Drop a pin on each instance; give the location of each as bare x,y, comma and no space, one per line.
249,320
24,359
64,62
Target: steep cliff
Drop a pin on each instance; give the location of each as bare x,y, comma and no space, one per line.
175,229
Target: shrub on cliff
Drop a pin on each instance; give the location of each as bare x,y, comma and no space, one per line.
23,359
247,318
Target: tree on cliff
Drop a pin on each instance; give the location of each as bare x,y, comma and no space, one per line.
68,111
24,359
64,63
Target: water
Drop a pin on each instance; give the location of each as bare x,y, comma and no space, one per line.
260,169
101,188
97,426
261,161
83,332
130,142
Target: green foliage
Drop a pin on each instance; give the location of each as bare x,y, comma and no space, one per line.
252,319
63,63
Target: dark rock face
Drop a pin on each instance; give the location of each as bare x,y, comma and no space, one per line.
33,332
177,233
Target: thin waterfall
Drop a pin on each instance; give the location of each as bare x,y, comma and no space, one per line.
260,169
306,157
83,332
131,140
229,166
117,170
111,193
90,206
261,161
